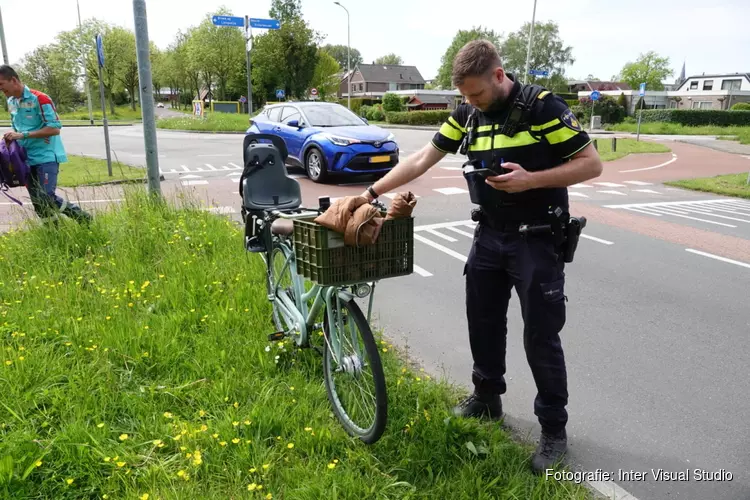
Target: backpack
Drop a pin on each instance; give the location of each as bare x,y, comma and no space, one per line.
14,171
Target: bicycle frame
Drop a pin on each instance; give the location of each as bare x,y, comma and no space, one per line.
302,315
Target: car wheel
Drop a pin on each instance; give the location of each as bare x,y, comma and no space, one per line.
315,165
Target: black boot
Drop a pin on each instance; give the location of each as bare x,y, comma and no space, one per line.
480,406
551,449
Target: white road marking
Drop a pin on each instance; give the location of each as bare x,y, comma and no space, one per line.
193,183
185,168
723,259
452,168
211,167
581,195
27,200
441,225
674,159
221,210
610,184
449,177
705,211
210,156
450,190
612,191
593,238
647,191
234,174
673,213
441,235
670,203
581,185
190,176
638,183
235,166
458,231
611,490
437,246
421,271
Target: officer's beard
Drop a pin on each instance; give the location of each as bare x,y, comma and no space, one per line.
499,100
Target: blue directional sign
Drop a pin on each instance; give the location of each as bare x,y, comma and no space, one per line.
238,22
269,24
539,72
643,89
595,95
280,93
100,50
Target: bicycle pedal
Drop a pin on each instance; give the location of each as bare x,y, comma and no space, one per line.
276,336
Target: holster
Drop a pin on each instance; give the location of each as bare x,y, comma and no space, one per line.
572,230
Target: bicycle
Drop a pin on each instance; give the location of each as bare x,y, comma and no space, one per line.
271,205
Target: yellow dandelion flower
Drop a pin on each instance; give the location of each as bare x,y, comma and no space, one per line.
123,437
157,442
38,463
201,413
215,435
107,459
236,404
269,497
331,466
223,443
236,440
144,496
69,481
251,487
180,473
167,414
8,362
21,358
336,461
290,445
204,428
121,464
235,423
247,422
385,350
291,388
266,466
308,429
252,471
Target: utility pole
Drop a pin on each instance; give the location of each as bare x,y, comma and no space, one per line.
248,48
528,50
348,58
2,40
85,70
147,98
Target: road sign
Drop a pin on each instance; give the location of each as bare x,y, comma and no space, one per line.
643,89
243,99
595,95
238,22
314,91
539,72
269,24
280,93
100,50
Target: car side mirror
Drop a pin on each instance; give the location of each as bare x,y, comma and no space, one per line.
294,123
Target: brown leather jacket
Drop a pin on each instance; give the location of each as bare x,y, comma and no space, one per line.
361,222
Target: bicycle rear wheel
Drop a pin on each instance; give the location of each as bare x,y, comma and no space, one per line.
360,363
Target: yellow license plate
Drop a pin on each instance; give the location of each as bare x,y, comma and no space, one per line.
379,159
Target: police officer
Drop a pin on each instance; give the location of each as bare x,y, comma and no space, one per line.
536,148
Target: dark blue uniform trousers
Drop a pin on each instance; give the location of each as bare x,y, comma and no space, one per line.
499,261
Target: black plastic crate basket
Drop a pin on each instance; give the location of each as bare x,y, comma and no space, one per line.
323,258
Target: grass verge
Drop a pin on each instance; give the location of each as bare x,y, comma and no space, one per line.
82,170
727,185
664,128
134,362
211,122
627,146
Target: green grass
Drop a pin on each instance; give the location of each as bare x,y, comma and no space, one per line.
662,128
727,185
121,114
627,146
81,170
134,360
212,122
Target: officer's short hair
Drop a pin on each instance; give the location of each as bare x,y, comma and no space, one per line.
476,58
8,73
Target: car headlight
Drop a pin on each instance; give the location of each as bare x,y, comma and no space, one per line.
341,141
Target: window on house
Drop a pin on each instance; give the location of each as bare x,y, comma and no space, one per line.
392,86
708,85
731,84
694,85
702,104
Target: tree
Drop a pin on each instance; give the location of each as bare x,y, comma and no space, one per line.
338,52
461,38
389,59
324,79
548,52
127,63
285,10
218,52
650,68
50,69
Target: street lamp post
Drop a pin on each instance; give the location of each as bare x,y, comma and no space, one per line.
348,58
528,50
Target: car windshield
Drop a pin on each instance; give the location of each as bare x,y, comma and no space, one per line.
331,116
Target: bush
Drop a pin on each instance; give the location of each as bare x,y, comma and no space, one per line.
697,117
392,102
741,106
417,117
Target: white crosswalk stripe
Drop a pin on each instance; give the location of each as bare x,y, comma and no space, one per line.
714,212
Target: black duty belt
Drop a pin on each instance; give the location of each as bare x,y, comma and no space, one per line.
505,222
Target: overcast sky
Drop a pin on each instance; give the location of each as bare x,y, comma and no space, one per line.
712,37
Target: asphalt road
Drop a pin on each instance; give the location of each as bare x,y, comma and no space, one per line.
656,338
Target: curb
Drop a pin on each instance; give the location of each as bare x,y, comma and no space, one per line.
120,182
219,132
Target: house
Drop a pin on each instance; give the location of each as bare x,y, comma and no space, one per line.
429,99
592,85
374,80
713,91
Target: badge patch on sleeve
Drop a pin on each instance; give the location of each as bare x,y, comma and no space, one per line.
570,121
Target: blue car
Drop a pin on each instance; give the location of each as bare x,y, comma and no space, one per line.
326,138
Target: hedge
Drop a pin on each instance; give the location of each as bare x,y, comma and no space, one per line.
697,117
436,117
741,106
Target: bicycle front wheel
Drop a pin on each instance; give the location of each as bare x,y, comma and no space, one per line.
353,373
